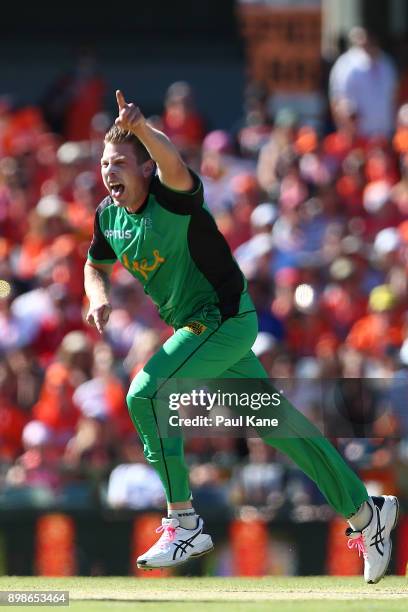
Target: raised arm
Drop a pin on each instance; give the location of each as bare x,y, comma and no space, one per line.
171,169
97,285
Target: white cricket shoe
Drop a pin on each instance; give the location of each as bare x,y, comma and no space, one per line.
374,540
176,545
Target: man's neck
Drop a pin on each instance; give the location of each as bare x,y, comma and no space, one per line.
133,208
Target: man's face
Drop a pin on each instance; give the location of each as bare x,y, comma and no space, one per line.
123,177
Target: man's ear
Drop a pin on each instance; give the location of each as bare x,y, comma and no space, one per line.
148,168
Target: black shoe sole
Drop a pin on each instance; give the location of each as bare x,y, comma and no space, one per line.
150,568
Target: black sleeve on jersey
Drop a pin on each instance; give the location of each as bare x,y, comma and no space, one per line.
179,202
100,250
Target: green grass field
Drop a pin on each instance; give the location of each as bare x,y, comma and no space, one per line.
313,594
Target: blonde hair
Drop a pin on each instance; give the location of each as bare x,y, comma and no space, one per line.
116,135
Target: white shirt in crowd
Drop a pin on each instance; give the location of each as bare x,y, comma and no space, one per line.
370,84
136,486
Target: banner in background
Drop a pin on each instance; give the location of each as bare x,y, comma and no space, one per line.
283,41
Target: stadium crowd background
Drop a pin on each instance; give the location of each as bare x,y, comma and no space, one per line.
317,218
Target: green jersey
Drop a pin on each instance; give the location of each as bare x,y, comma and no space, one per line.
174,248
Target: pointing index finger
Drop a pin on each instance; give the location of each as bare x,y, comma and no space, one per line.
120,98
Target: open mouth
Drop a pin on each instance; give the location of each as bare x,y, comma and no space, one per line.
116,189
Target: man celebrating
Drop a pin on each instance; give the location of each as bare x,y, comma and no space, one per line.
159,228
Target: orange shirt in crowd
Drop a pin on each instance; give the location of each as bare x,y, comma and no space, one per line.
184,129
118,412
303,337
87,102
339,145
12,422
374,332
21,131
55,407
81,218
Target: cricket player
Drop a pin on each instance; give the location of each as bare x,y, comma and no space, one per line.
155,222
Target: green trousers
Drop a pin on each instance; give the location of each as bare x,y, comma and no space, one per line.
210,349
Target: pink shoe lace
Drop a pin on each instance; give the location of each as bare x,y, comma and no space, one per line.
168,534
357,542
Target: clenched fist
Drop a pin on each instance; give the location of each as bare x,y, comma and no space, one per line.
130,117
98,316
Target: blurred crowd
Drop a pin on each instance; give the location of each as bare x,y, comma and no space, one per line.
318,221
